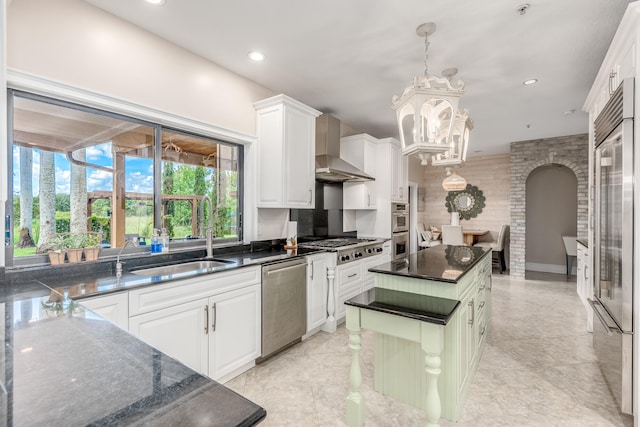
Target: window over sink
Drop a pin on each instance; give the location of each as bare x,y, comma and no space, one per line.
76,169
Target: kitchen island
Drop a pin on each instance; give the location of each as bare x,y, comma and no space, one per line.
415,353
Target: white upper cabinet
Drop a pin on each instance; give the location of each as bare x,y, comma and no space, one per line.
360,151
286,131
619,63
390,158
399,173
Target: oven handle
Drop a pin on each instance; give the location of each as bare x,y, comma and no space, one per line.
609,329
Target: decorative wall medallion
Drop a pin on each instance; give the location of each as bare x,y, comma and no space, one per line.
468,202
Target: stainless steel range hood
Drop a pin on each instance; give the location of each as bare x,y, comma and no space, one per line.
329,166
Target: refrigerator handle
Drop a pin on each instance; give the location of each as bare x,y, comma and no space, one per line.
609,329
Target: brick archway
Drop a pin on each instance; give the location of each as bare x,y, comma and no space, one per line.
569,151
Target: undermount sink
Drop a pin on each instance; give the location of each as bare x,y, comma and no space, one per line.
192,266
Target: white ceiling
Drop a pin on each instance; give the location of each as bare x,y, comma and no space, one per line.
348,58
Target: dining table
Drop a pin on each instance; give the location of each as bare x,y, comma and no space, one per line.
471,236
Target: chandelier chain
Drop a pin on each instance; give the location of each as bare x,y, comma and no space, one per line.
426,54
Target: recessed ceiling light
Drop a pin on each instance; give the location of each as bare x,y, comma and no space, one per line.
254,55
155,2
530,82
569,112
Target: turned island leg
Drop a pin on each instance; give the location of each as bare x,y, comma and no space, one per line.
355,401
432,344
331,323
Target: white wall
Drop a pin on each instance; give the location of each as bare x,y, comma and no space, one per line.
73,42
82,47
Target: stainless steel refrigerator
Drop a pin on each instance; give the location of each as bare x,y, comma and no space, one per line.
613,244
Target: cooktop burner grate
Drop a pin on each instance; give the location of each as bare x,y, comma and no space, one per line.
335,243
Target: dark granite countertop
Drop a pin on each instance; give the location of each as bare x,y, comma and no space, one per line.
583,242
99,281
442,263
420,307
64,365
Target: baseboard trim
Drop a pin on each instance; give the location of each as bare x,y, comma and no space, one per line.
549,268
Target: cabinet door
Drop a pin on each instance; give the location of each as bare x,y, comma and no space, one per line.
399,170
317,289
114,308
179,331
395,172
299,151
234,324
271,163
467,340
359,195
368,279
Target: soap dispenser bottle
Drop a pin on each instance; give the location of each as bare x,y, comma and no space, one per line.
164,239
155,242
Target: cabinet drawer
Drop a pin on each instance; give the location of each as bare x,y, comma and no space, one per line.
153,298
348,275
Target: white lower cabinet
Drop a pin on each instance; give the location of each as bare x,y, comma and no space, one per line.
113,307
178,331
210,323
234,335
348,285
368,280
317,290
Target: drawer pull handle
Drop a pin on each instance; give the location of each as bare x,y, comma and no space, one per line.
481,304
352,275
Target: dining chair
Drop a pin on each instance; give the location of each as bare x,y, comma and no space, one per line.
571,251
452,235
426,238
498,246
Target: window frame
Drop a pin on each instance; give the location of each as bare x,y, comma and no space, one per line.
158,125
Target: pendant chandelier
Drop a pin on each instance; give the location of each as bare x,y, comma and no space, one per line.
429,122
453,181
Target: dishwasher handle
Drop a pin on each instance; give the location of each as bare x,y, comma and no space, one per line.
280,270
279,267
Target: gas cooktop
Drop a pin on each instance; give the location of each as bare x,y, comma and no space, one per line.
335,243
348,249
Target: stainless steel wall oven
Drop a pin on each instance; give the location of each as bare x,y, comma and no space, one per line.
399,217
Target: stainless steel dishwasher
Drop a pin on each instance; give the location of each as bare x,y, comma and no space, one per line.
284,304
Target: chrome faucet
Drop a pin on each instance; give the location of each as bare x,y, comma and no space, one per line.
209,231
118,263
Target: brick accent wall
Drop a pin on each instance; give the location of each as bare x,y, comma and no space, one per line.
570,151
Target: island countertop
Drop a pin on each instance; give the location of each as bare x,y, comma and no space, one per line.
413,306
443,263
64,365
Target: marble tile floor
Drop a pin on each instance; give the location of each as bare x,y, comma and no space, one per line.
537,369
